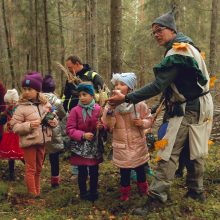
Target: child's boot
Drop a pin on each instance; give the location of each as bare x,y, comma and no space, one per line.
55,181
142,188
125,191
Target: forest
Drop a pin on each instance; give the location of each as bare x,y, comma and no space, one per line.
112,36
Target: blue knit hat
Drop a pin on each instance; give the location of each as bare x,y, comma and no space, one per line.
88,88
129,79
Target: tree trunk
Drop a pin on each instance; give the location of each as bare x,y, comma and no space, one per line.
213,38
116,36
47,38
62,59
88,30
8,46
36,36
30,51
94,31
142,69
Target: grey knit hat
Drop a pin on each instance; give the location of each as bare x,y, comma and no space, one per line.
166,20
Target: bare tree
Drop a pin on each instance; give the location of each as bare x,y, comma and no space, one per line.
213,37
141,54
116,35
8,41
61,44
47,37
36,35
88,30
94,32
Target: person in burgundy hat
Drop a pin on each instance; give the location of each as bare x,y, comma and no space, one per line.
33,131
56,145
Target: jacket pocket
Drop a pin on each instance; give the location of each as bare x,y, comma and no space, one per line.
118,145
198,139
32,135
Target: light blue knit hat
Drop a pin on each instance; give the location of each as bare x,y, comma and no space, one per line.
129,79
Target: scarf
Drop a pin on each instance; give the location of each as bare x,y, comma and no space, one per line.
87,109
180,37
125,108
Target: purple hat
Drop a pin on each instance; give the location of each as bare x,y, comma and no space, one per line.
33,80
48,84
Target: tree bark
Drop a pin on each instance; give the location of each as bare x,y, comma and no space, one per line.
213,38
94,32
116,36
47,38
36,36
142,69
62,59
8,45
88,31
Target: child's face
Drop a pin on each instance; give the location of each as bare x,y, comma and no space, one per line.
11,103
29,93
85,97
122,87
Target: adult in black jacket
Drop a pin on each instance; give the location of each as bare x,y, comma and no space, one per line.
85,73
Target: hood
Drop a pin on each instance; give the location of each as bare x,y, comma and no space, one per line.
180,37
85,69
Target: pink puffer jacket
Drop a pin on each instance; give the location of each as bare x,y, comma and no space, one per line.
24,114
129,142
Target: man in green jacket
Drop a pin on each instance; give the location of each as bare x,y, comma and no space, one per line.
183,77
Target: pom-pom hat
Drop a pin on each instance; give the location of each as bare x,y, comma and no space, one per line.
33,80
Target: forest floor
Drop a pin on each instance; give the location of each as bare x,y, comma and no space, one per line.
64,202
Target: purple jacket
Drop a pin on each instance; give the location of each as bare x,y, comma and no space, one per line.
76,126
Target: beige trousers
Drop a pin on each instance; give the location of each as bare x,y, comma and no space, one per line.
165,170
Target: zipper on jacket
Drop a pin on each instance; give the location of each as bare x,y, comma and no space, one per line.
42,129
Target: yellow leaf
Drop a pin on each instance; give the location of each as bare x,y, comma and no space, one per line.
210,143
161,144
180,46
157,159
212,81
202,53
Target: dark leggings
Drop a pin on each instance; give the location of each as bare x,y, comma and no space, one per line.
126,175
11,166
54,164
82,177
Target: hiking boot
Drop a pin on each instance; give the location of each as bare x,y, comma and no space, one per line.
150,204
196,196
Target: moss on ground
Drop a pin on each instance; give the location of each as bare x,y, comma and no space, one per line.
64,202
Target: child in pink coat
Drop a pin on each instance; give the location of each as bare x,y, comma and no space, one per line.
128,122
82,128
